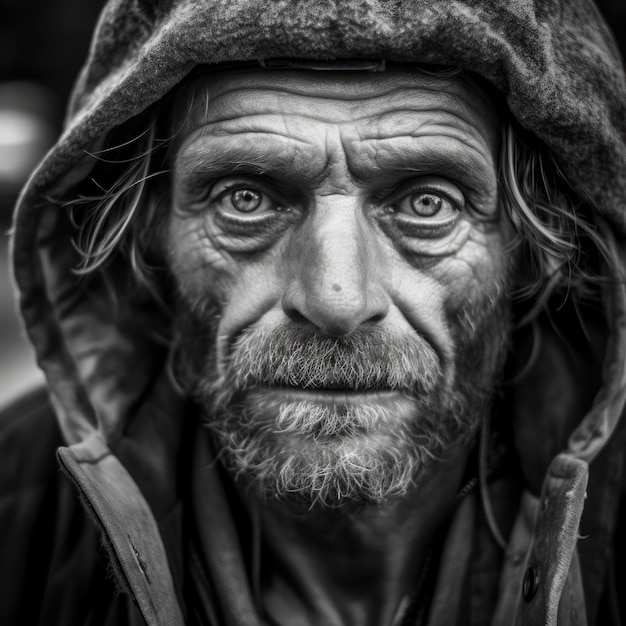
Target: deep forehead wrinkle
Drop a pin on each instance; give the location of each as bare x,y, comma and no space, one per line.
234,127
354,124
385,123
241,99
400,124
399,131
256,100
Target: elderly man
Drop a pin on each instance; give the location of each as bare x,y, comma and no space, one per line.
329,299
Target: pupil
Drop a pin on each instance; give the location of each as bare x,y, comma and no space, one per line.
246,200
426,205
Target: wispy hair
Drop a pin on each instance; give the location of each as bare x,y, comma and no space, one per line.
559,245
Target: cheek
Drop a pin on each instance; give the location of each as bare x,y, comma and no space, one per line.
482,260
251,294
243,286
199,265
476,279
433,295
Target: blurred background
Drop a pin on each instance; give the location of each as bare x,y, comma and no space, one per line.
42,46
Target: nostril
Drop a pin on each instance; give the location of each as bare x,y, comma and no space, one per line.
295,316
375,319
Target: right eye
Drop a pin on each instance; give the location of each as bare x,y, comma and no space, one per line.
244,200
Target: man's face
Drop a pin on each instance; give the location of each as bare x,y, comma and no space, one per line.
341,262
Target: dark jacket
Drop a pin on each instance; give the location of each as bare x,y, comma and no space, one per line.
111,537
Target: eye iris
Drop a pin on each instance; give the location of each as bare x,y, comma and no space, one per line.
426,204
246,200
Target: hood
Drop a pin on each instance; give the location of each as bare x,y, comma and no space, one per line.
553,62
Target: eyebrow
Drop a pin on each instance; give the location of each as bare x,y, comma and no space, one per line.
423,155
212,155
245,152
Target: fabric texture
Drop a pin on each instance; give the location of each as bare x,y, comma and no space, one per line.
122,426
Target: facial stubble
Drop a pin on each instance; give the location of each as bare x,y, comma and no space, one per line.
326,453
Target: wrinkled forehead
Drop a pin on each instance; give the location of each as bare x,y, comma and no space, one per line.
341,97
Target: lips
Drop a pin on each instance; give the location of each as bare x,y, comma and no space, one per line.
273,398
326,396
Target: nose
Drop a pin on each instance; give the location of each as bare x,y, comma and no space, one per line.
335,278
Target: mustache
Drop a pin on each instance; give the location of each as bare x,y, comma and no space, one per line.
366,360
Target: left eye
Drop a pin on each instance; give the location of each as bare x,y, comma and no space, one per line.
246,200
426,204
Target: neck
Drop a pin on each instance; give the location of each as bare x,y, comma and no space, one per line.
357,566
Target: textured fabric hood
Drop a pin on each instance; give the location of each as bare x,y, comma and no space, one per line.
554,63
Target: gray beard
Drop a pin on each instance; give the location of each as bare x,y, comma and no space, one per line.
332,454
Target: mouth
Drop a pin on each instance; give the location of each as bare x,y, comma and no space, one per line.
332,396
328,414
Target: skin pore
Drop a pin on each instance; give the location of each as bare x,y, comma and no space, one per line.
329,209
